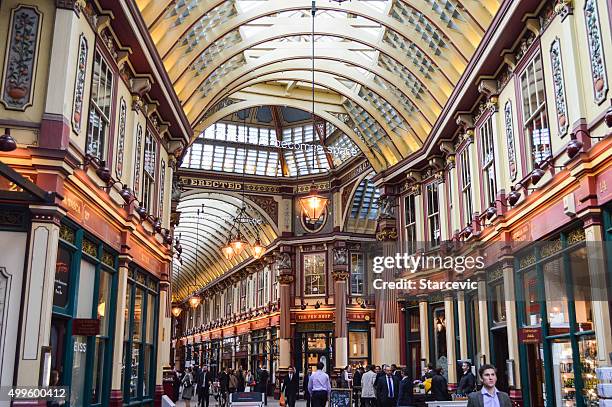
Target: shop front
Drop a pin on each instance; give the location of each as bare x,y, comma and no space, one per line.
359,344
558,346
498,332
314,342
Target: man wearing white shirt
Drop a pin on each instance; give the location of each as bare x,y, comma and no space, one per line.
368,394
319,387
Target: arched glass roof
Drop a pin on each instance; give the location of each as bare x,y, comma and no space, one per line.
384,68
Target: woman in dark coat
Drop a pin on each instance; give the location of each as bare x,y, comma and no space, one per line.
439,386
404,394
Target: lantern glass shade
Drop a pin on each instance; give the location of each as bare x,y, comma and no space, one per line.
194,301
176,311
228,251
258,249
238,244
313,205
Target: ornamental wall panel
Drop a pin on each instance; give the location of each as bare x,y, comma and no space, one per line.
121,137
596,50
79,85
20,59
558,79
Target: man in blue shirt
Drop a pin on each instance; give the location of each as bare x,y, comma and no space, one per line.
319,387
488,396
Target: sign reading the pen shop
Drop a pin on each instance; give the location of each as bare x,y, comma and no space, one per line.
85,327
314,316
530,335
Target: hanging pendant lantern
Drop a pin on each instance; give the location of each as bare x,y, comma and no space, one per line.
313,205
238,244
194,300
258,249
228,251
176,311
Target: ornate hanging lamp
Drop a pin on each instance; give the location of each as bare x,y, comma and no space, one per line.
313,205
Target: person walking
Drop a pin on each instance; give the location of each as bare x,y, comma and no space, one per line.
290,386
387,387
357,386
488,396
241,380
439,386
262,382
203,382
368,392
233,381
404,393
319,387
187,387
176,385
305,387
467,383
248,381
223,386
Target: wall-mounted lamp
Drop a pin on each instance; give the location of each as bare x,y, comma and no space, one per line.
7,142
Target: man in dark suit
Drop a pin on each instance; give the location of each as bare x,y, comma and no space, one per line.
387,387
203,381
405,392
290,386
305,387
494,397
439,386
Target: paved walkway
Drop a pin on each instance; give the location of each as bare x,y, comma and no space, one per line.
271,403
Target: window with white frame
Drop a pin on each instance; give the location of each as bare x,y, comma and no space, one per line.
260,288
433,214
99,108
314,274
243,295
410,231
266,295
488,160
229,300
275,289
357,274
148,175
217,306
535,119
466,184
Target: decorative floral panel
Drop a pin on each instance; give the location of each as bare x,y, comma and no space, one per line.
20,59
598,65
137,160
79,84
559,85
162,183
510,140
121,138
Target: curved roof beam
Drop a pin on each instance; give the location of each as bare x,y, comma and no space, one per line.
343,66
444,77
458,51
417,120
377,159
397,143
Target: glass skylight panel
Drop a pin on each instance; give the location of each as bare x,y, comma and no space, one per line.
407,77
420,60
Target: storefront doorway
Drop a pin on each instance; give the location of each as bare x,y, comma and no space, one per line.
312,348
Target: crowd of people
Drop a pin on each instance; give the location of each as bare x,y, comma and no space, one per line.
372,386
199,382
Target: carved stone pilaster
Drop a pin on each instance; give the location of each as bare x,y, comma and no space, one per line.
340,275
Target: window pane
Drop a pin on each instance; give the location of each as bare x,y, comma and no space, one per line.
532,305
314,274
98,369
146,374
134,370
104,302
150,318
556,298
62,277
85,293
583,298
137,324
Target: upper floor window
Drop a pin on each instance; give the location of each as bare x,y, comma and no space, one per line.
488,160
410,223
535,120
100,108
433,214
314,274
243,294
229,301
357,274
466,183
148,182
260,288
217,307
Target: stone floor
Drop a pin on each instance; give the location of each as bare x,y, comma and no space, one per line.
271,403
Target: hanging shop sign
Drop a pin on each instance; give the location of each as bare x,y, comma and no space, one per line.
530,335
359,316
85,327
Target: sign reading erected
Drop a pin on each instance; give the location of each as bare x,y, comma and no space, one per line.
85,327
340,398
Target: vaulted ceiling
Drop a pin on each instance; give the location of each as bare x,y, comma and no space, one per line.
384,68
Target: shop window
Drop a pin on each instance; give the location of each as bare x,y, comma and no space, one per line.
410,224
314,274
99,108
466,184
532,303
148,182
357,274
141,340
433,215
413,337
535,120
62,277
582,283
556,299
358,348
498,303
439,330
487,160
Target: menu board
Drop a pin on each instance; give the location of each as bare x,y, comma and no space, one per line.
340,398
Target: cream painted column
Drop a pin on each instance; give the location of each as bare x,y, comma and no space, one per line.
340,275
286,277
38,293
597,270
483,318
462,322
451,354
163,336
511,318
122,284
424,319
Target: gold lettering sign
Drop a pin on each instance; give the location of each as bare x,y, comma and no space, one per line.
227,185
